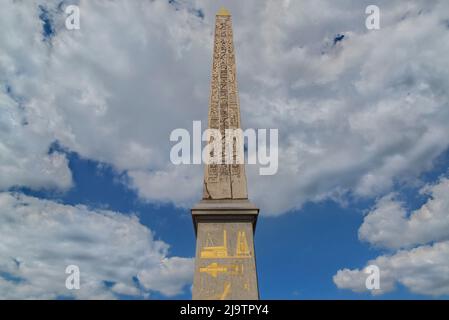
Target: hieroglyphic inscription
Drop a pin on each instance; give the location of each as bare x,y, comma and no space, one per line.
224,181
225,259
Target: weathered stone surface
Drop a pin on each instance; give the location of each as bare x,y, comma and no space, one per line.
224,181
225,267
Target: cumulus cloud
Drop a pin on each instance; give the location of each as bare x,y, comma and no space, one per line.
25,138
24,155
158,186
422,269
114,252
390,225
354,115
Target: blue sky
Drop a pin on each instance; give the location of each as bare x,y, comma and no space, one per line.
85,120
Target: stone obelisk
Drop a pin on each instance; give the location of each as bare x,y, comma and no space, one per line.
225,220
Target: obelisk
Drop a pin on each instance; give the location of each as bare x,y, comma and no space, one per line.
225,220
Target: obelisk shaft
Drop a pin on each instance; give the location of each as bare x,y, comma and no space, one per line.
225,180
225,265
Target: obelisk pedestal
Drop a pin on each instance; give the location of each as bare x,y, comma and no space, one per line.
225,265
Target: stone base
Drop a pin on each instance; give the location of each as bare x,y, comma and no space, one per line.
225,265
224,211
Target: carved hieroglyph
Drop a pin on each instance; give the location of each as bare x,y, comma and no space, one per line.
225,263
224,181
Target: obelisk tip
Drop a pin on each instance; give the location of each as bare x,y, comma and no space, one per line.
223,12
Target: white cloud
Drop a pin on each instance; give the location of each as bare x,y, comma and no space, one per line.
24,138
423,269
354,117
168,280
24,154
390,225
159,186
40,238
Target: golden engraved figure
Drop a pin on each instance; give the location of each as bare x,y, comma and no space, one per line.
221,252
226,291
214,269
242,246
211,252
